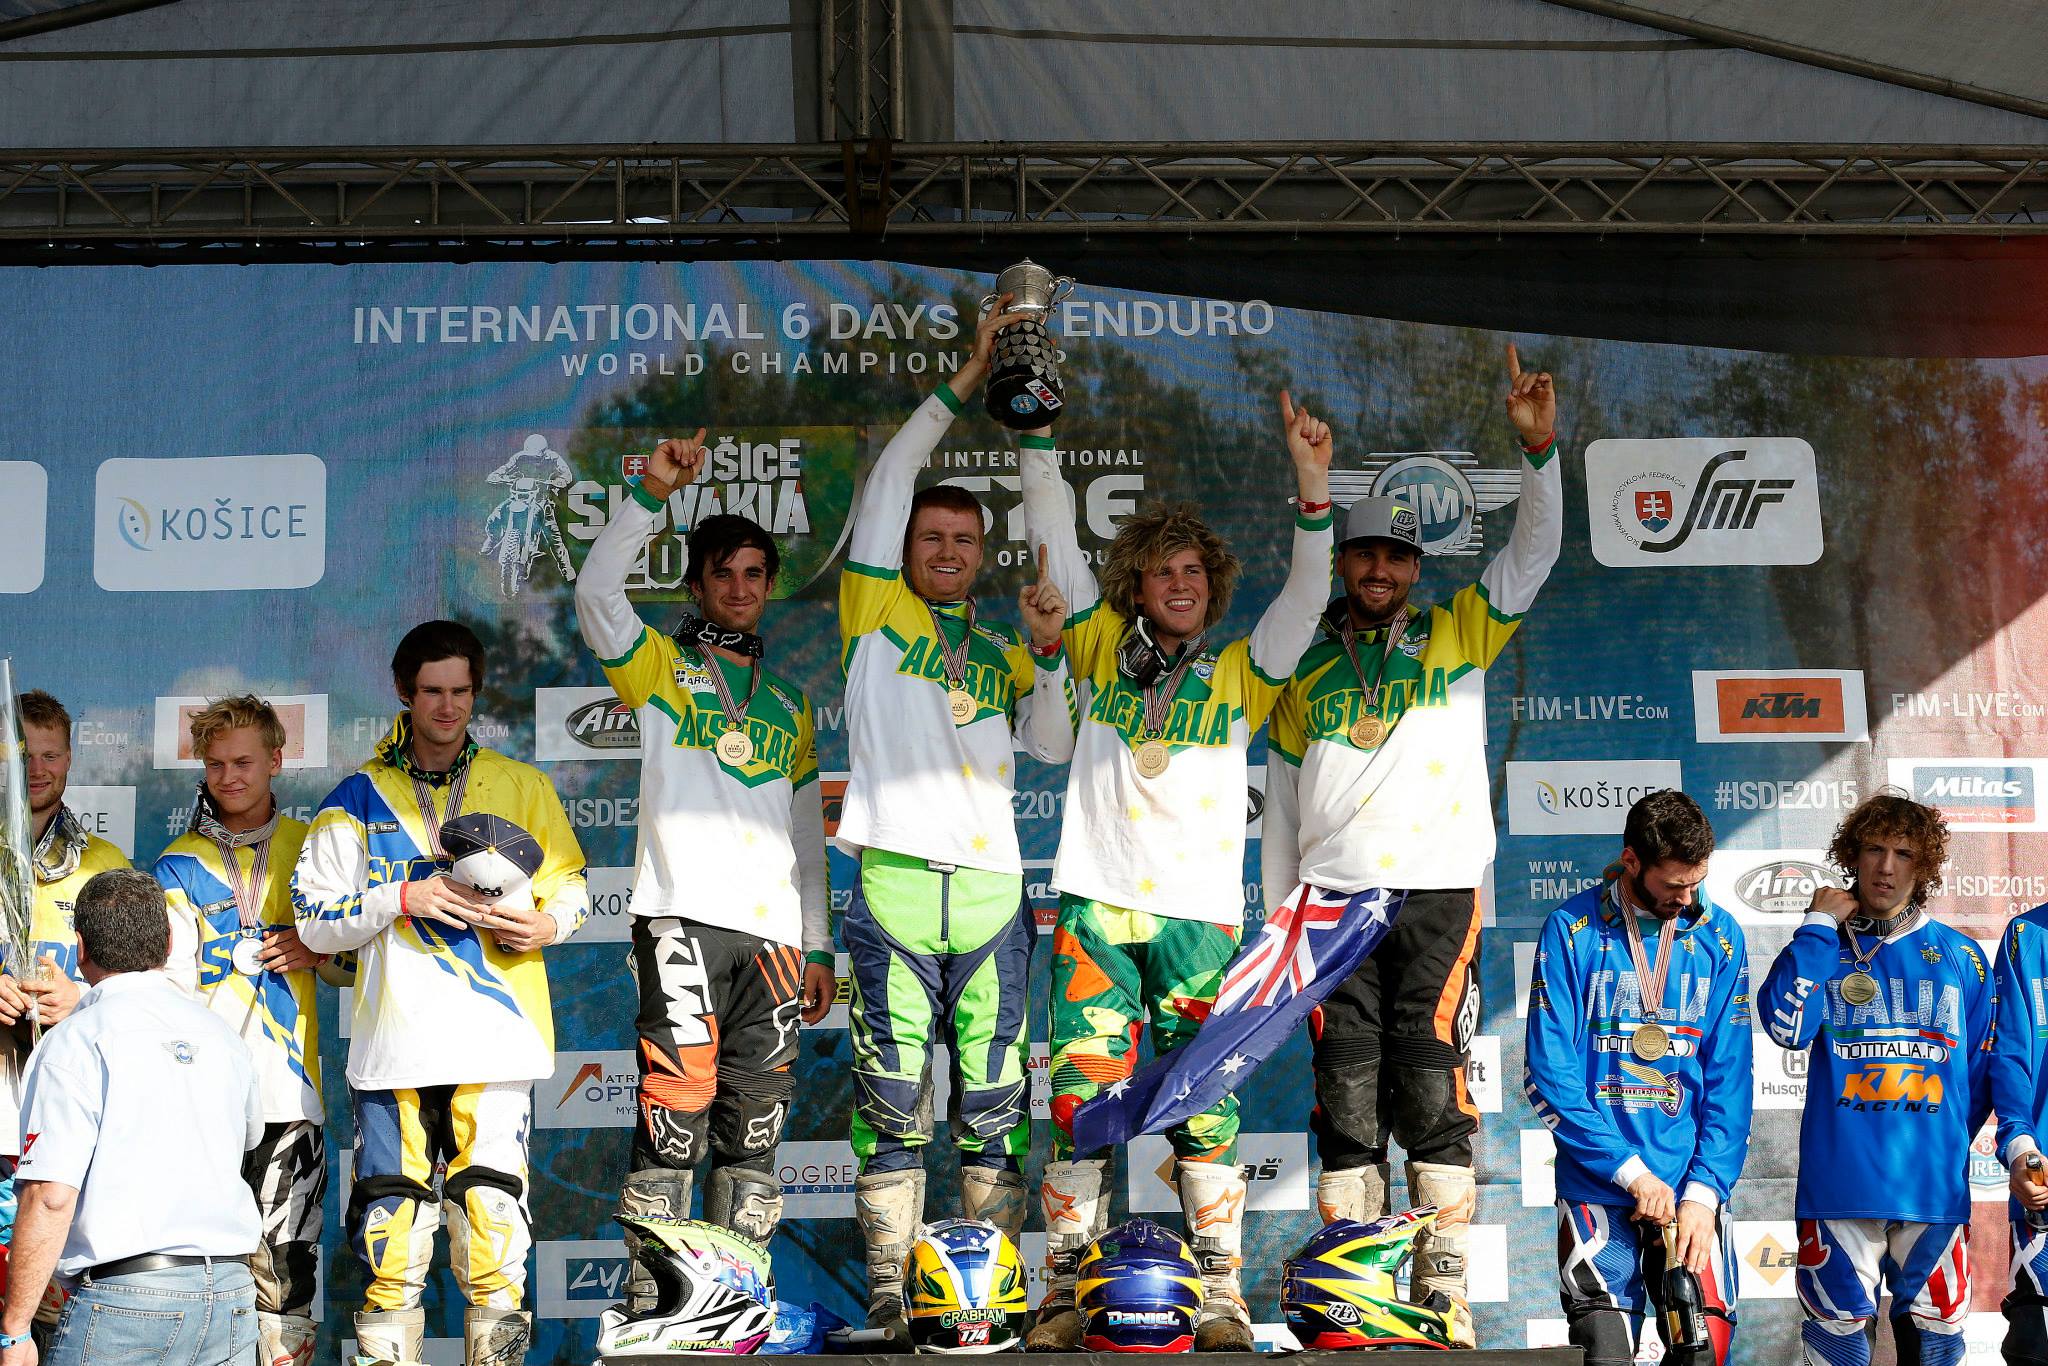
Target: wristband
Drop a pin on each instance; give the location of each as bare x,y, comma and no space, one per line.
1045,651
1311,509
822,959
403,887
1537,448
12,1340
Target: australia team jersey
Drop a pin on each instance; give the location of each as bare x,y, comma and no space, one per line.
1416,811
434,1005
53,936
274,1012
1895,1089
1171,845
923,784
740,847
2017,1073
1683,1117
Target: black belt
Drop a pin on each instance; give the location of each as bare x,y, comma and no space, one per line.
155,1261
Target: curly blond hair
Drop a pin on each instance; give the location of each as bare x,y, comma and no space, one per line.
1151,536
1892,813
224,714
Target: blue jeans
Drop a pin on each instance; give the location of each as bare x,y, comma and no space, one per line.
181,1316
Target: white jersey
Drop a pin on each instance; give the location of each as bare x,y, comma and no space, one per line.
923,784
1417,811
739,847
1171,845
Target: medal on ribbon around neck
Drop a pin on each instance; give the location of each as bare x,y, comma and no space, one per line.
1860,988
247,954
735,748
960,702
1152,755
1370,730
1651,1040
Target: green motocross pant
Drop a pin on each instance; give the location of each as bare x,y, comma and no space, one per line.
938,954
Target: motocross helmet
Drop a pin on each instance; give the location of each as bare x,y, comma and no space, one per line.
1339,1291
1138,1290
714,1292
963,1289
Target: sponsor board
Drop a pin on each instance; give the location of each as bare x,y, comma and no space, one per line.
589,1090
1777,1081
1766,1258
579,1278
1554,881
1778,706
611,907
1967,707
1539,1169
832,794
24,522
1450,492
1977,794
108,812
1987,1173
1768,886
1690,501
1582,797
583,723
1487,1259
209,523
1525,972
1482,1073
1031,1251
1582,708
305,730
1275,1169
1045,902
817,1178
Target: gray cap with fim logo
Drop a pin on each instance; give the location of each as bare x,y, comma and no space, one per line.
1382,519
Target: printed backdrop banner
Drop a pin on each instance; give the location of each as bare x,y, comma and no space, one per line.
1786,581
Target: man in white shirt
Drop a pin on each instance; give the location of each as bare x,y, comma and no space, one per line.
136,1112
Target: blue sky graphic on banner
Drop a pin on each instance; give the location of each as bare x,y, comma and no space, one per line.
256,478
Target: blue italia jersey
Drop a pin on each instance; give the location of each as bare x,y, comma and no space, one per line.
274,1012
1894,1089
2021,1038
1683,1117
434,1005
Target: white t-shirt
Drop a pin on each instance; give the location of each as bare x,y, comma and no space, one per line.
143,1101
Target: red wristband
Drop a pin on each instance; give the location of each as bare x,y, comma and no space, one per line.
1312,508
1045,651
402,887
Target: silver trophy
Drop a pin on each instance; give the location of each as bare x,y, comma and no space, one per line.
1024,390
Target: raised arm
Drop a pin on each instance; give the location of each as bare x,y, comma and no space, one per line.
1288,626
611,628
1047,717
1511,581
1049,522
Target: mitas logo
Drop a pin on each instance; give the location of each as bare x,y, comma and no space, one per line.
1783,887
1703,501
1996,795
1447,492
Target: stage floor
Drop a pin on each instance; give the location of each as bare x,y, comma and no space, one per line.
1547,1356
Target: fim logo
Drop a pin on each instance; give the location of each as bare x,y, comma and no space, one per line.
1447,493
522,527
605,724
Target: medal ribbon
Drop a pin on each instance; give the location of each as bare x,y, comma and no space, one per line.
423,793
1159,693
1651,980
1905,923
1348,634
735,713
953,660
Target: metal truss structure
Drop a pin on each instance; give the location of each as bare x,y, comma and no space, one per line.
841,198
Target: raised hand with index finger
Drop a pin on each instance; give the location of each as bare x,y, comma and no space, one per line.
1043,606
1531,401
674,463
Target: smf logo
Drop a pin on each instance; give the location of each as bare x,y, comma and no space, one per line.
1784,886
1448,492
1779,705
522,527
1703,501
212,523
1888,1086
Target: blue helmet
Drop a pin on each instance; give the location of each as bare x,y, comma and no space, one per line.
1138,1290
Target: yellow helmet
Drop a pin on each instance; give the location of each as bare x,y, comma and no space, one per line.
964,1289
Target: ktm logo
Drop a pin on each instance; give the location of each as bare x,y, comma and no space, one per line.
1890,1082
833,793
1779,706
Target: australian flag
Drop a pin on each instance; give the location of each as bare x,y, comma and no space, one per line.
1311,942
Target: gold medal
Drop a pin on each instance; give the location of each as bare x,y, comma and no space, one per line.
736,748
961,703
1152,757
1859,988
1649,1042
1368,732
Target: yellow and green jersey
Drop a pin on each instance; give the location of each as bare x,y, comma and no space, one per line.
1172,844
1417,810
434,1005
274,1012
736,846
922,783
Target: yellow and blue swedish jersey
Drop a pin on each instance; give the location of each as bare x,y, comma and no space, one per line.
923,784
275,1012
434,1005
1171,845
736,847
1417,810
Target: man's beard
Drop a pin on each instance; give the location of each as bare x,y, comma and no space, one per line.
1359,612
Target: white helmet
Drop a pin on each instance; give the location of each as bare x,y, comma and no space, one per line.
714,1292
